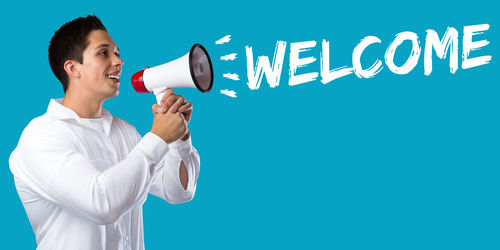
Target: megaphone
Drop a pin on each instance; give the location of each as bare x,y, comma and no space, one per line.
193,70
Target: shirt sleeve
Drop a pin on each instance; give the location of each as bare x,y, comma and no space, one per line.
51,164
166,184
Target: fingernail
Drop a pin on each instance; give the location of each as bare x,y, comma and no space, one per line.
158,109
172,109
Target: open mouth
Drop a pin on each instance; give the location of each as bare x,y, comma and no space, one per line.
114,77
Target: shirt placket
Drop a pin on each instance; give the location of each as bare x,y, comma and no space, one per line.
124,222
112,155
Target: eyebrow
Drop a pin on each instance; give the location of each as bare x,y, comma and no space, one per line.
106,45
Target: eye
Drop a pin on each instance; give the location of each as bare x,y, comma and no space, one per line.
117,54
103,53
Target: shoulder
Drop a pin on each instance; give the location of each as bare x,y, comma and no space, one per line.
117,121
43,129
120,124
42,136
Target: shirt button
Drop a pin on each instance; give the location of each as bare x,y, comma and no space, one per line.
126,237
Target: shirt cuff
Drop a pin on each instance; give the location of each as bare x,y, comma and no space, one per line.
153,146
182,147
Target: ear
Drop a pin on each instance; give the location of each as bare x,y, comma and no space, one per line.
72,68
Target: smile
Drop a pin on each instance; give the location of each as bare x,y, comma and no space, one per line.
117,77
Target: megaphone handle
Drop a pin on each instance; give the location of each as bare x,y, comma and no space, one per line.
159,92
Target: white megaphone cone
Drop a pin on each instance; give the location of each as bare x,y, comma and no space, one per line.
193,70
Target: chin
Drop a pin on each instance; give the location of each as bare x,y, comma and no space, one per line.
111,94
116,93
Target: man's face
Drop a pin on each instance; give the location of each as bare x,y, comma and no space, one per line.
102,66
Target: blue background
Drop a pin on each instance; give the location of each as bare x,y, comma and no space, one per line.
393,162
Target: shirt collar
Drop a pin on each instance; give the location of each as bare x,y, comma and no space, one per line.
60,112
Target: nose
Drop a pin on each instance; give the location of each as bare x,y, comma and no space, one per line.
117,61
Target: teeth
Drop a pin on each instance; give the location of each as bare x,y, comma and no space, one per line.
114,77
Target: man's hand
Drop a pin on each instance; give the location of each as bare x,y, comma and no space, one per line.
173,103
169,126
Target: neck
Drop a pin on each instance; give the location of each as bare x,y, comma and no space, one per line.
84,106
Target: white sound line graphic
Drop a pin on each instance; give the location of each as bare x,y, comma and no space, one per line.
229,57
223,40
230,93
231,76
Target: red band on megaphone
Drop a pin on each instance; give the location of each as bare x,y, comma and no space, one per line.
138,83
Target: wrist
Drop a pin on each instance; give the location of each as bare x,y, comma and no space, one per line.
165,139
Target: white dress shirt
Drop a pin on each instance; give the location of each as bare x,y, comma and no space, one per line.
82,182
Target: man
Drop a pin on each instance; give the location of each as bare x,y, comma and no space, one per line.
83,174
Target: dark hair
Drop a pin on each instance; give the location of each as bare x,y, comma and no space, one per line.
69,42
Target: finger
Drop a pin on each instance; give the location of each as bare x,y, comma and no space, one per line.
186,106
155,108
167,94
169,102
177,104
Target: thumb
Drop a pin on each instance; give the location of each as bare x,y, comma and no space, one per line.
155,108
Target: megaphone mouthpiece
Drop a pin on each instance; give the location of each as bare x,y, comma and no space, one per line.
138,82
